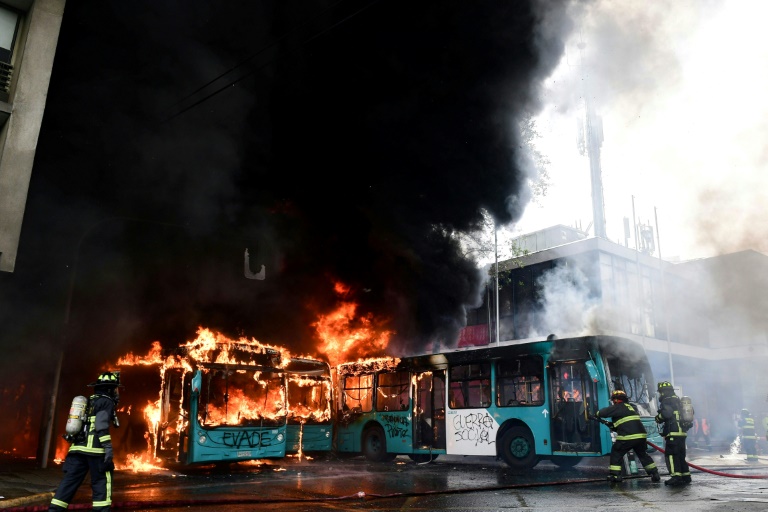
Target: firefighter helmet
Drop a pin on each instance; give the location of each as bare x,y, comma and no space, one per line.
665,388
745,412
111,379
619,396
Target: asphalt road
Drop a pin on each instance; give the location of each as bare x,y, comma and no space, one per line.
449,483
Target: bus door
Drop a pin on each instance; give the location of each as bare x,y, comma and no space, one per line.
573,403
429,410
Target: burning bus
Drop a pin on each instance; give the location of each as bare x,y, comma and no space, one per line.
224,400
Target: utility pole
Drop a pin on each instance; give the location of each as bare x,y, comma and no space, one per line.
65,328
590,140
664,298
496,256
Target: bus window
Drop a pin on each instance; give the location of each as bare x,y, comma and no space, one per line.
392,391
470,386
633,378
519,381
358,393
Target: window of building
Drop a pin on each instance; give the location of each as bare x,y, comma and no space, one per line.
9,24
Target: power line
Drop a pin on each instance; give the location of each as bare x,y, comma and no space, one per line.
262,50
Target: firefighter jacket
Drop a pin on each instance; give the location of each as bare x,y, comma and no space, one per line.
101,408
625,421
669,415
747,425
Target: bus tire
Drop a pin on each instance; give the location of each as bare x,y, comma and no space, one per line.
565,462
518,449
375,445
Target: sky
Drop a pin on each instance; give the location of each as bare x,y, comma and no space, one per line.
680,87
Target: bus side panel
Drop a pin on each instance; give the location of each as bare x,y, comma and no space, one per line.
347,440
398,429
470,432
308,438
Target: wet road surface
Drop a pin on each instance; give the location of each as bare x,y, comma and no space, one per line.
448,483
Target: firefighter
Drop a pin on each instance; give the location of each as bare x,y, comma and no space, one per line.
748,435
630,435
674,435
705,433
765,425
91,450
701,429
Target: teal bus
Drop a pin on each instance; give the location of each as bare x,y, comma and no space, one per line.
255,403
212,412
521,401
310,405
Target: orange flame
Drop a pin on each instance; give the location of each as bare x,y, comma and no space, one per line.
344,335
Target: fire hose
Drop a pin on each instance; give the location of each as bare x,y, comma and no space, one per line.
705,470
711,471
133,505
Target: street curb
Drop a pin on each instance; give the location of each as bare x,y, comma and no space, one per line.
27,500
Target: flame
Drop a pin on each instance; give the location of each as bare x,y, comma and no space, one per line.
242,393
344,335
139,463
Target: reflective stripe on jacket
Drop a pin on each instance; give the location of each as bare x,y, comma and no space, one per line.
669,415
626,421
99,417
747,428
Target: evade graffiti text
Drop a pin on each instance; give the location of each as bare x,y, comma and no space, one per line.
246,439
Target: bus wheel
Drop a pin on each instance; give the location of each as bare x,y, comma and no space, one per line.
565,462
375,445
422,457
517,448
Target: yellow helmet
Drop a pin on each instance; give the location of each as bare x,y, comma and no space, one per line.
107,379
619,396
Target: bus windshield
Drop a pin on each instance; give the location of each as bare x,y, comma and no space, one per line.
634,378
243,397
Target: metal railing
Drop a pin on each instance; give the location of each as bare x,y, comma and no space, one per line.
6,71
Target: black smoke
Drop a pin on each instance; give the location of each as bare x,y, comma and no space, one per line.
336,141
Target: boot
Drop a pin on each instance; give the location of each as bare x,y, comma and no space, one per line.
655,477
614,479
675,481
686,479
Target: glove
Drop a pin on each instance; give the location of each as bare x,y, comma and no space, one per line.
108,464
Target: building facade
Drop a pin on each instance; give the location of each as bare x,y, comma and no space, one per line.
703,323
29,31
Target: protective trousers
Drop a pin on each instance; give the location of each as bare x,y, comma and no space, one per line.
620,448
674,448
75,467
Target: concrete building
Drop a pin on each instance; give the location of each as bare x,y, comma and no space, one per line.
29,31
703,323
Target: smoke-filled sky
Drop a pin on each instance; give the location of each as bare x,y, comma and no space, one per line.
336,141
680,87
